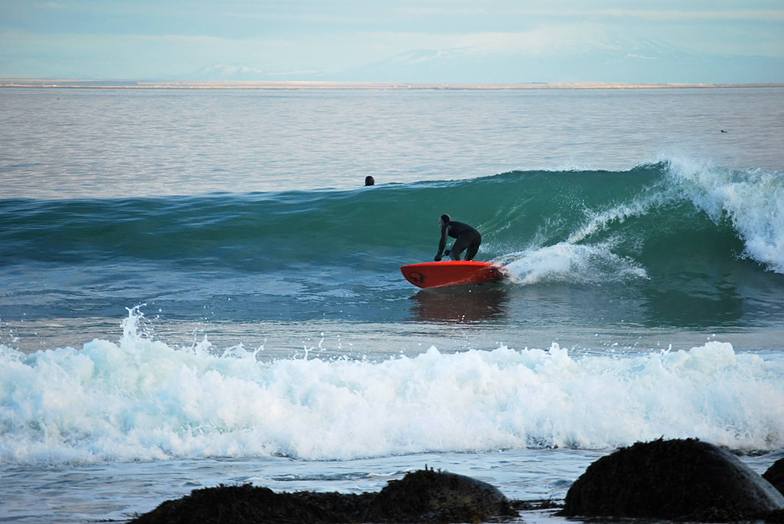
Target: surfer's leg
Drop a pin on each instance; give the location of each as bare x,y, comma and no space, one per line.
473,247
458,247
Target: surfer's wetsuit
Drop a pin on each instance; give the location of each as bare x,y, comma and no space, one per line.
466,237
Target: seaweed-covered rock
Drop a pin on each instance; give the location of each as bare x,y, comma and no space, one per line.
421,496
672,479
249,504
436,496
775,475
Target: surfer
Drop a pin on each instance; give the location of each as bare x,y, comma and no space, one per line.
370,181
466,237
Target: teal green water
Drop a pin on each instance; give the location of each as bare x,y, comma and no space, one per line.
657,246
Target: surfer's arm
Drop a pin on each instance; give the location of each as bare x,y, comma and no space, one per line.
441,243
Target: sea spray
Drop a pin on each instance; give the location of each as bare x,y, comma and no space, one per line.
566,262
753,200
141,399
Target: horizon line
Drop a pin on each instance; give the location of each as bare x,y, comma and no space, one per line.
46,83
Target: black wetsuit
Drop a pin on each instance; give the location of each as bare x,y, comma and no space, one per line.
466,238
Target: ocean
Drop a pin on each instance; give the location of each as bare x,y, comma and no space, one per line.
196,288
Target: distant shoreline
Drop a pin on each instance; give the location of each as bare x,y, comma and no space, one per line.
318,85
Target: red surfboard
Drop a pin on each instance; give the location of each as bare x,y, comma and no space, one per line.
451,273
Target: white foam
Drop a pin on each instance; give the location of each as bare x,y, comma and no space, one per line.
752,199
574,262
567,262
597,221
141,399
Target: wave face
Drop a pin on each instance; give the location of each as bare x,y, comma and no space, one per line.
714,214
140,399
684,243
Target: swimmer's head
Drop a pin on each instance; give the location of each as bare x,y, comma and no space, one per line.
445,219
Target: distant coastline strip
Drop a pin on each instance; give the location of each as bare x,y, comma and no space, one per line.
315,85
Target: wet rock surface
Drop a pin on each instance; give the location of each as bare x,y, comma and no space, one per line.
434,496
246,504
672,479
421,496
775,475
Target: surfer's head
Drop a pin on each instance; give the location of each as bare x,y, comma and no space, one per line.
445,219
370,181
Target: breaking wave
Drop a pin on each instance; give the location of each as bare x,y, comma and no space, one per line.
603,222
141,399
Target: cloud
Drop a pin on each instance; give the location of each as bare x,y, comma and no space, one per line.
541,40
497,30
49,5
652,11
732,15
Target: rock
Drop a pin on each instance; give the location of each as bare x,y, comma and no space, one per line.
775,475
435,496
535,505
249,504
421,496
672,479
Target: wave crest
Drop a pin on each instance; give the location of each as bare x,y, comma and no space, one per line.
752,199
140,399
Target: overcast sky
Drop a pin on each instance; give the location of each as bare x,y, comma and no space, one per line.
410,41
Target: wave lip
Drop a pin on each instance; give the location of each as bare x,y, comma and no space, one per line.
140,399
753,200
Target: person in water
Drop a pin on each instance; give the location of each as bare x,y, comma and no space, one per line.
370,181
466,238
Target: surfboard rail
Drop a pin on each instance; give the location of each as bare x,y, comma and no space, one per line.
451,273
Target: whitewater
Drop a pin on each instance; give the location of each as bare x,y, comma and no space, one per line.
207,294
140,399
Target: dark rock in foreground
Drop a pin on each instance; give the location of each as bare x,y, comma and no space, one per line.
431,496
775,475
421,496
241,504
672,479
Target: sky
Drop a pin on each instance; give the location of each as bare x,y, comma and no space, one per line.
478,41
